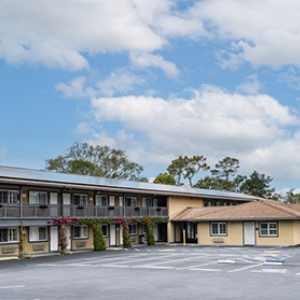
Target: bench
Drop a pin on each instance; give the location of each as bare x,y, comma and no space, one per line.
6,250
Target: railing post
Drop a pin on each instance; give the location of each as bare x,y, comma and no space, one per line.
21,203
35,211
96,211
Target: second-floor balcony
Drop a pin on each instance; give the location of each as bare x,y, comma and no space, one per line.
75,211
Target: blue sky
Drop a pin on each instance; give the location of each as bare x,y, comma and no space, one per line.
156,78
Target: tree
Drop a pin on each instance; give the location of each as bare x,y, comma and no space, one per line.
292,197
213,183
258,185
165,178
187,167
226,167
103,161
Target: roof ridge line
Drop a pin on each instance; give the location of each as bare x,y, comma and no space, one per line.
278,206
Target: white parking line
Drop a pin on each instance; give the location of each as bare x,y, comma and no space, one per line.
275,271
208,270
12,286
196,266
245,268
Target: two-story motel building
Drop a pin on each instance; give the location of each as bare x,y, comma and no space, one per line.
31,198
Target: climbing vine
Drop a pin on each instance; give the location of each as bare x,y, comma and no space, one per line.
96,223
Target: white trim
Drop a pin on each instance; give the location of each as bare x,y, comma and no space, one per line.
9,235
31,239
218,228
268,234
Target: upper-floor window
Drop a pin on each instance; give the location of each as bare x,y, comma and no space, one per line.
218,228
38,234
80,199
131,201
105,230
268,229
9,196
38,197
9,235
101,200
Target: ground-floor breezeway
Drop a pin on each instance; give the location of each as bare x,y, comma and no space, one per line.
159,272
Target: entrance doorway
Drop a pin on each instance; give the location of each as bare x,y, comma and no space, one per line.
249,233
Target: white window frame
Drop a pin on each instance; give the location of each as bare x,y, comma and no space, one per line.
268,234
82,237
132,200
38,200
31,240
12,196
130,227
10,234
99,199
82,198
219,233
105,235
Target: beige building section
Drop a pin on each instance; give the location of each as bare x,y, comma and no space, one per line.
234,235
84,244
175,206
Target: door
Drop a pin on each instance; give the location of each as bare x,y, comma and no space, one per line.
121,235
69,237
112,235
249,233
53,239
191,232
67,205
53,204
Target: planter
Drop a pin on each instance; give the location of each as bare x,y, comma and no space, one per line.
80,207
43,206
111,207
158,209
137,208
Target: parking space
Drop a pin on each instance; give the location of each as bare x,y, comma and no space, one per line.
161,272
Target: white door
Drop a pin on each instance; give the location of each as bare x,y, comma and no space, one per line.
121,201
69,237
53,239
156,232
111,200
249,233
53,204
112,235
121,235
67,205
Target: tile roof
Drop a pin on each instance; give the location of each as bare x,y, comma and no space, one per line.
254,210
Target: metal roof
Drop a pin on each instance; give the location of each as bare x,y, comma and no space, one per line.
72,179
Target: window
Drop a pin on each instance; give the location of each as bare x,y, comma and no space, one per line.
38,197
9,196
81,232
105,230
131,201
101,200
207,203
37,234
218,228
9,235
133,229
268,229
80,199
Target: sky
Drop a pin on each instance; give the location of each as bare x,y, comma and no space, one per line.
156,78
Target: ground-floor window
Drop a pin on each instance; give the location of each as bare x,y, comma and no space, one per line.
9,235
218,228
38,234
268,229
133,229
81,232
105,230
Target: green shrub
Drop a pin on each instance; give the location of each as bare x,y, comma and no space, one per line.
150,234
99,244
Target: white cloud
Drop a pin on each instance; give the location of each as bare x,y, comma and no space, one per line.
120,80
251,86
263,32
76,88
145,60
212,122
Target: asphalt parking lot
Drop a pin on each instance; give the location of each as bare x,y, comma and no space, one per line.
160,272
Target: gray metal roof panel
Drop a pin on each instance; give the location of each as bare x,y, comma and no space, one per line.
19,173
